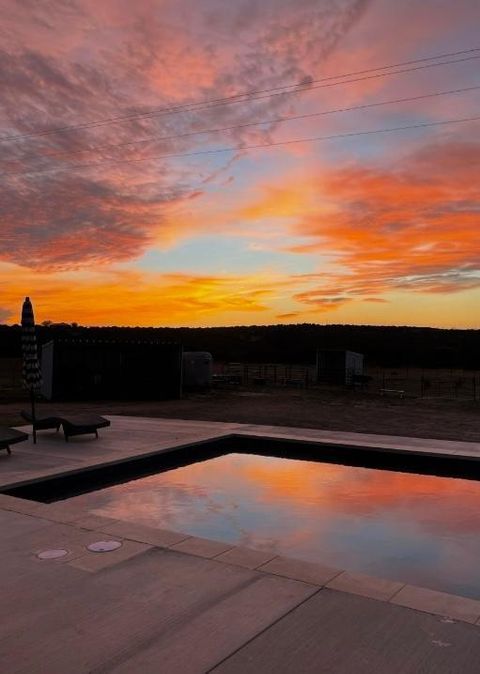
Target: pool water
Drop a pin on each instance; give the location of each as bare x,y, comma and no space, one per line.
419,529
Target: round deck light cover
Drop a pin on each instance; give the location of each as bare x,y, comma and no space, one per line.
104,546
52,554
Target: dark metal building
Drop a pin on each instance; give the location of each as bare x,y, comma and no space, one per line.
79,369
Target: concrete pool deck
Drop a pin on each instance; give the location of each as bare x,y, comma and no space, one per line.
168,602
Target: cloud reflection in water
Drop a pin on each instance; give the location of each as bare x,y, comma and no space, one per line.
416,528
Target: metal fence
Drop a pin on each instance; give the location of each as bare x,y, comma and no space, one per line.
447,384
407,382
266,374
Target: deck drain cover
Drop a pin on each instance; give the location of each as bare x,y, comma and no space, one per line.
52,554
104,546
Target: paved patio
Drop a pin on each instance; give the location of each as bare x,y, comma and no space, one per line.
168,602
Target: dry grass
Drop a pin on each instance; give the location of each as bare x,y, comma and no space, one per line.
333,409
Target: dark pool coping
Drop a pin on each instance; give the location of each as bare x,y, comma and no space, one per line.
408,447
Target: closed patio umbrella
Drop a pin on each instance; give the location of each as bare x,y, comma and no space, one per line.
31,373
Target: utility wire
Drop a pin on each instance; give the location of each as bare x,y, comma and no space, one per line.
248,97
351,134
276,120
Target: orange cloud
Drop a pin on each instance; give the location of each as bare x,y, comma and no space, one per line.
127,297
413,227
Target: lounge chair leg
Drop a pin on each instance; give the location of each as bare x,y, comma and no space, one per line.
9,451
96,434
58,427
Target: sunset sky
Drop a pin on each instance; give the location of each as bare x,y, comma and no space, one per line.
114,209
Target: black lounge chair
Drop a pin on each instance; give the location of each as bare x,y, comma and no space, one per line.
79,424
9,436
73,424
43,421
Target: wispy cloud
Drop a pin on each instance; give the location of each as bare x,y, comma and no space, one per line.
67,64
411,227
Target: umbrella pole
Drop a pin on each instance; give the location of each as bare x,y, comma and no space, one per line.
32,400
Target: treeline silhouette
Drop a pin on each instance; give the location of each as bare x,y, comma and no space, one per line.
384,346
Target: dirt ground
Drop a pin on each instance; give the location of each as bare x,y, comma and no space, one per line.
332,409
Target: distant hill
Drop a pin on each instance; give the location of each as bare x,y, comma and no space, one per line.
382,345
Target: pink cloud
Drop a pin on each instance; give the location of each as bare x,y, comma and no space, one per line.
67,64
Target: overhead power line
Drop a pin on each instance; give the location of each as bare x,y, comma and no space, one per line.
149,139
259,146
260,94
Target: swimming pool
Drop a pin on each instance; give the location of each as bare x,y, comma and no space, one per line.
418,528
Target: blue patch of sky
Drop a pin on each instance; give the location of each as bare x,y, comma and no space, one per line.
225,254
252,166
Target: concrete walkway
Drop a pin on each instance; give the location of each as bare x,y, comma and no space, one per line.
168,602
193,606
